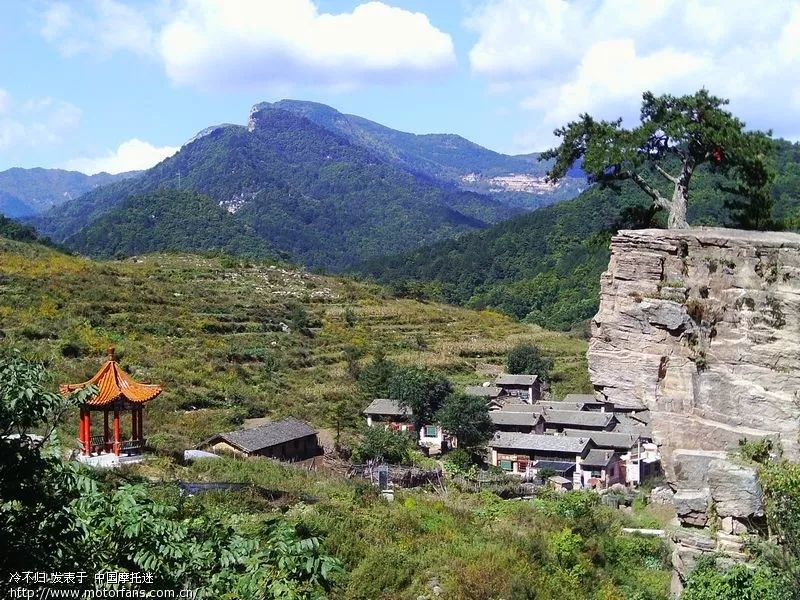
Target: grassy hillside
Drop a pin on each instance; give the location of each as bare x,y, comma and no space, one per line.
299,187
231,340
545,266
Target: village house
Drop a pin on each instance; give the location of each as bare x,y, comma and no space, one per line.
640,458
289,439
556,421
589,402
389,414
490,392
517,418
527,454
601,468
525,387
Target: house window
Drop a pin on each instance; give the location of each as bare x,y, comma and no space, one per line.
431,431
522,466
506,465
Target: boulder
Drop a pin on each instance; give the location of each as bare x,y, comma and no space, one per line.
692,506
661,494
732,526
690,467
735,490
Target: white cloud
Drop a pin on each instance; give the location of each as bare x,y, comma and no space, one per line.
562,58
106,27
274,42
133,155
258,43
36,122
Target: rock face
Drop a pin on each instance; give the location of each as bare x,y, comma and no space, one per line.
702,327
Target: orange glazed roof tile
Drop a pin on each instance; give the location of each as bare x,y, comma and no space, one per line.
113,383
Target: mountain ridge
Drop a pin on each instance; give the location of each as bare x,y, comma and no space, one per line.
27,192
301,188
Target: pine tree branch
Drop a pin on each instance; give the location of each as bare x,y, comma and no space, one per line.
648,189
666,175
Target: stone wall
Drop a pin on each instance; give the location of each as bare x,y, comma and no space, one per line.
702,327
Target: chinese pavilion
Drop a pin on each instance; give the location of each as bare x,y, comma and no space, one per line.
117,393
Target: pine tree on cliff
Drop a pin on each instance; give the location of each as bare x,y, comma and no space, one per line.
675,137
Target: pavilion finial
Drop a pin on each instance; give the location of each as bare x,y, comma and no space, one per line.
111,353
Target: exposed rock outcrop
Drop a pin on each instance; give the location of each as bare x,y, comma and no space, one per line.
702,327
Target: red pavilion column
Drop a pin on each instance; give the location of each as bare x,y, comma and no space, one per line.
82,433
116,431
88,431
106,431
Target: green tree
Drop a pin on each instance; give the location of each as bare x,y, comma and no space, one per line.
421,391
386,444
37,532
467,418
676,135
527,359
374,378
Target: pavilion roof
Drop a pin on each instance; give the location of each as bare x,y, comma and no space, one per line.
114,384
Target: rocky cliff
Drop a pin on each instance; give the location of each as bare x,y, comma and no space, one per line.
702,327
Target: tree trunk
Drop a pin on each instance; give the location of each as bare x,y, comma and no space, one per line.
680,199
677,212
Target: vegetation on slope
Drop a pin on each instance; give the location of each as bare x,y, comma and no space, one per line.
168,220
13,230
230,340
545,266
299,187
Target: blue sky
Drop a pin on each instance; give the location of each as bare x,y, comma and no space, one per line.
114,85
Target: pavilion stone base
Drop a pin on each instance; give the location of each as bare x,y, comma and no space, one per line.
109,460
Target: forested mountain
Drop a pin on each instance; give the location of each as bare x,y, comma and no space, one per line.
26,192
514,180
297,186
545,266
168,220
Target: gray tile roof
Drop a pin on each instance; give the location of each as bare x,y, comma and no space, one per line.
617,440
512,417
387,406
561,405
272,434
506,379
484,391
582,398
634,424
599,458
539,442
580,418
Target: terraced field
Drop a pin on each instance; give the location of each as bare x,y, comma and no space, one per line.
231,340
